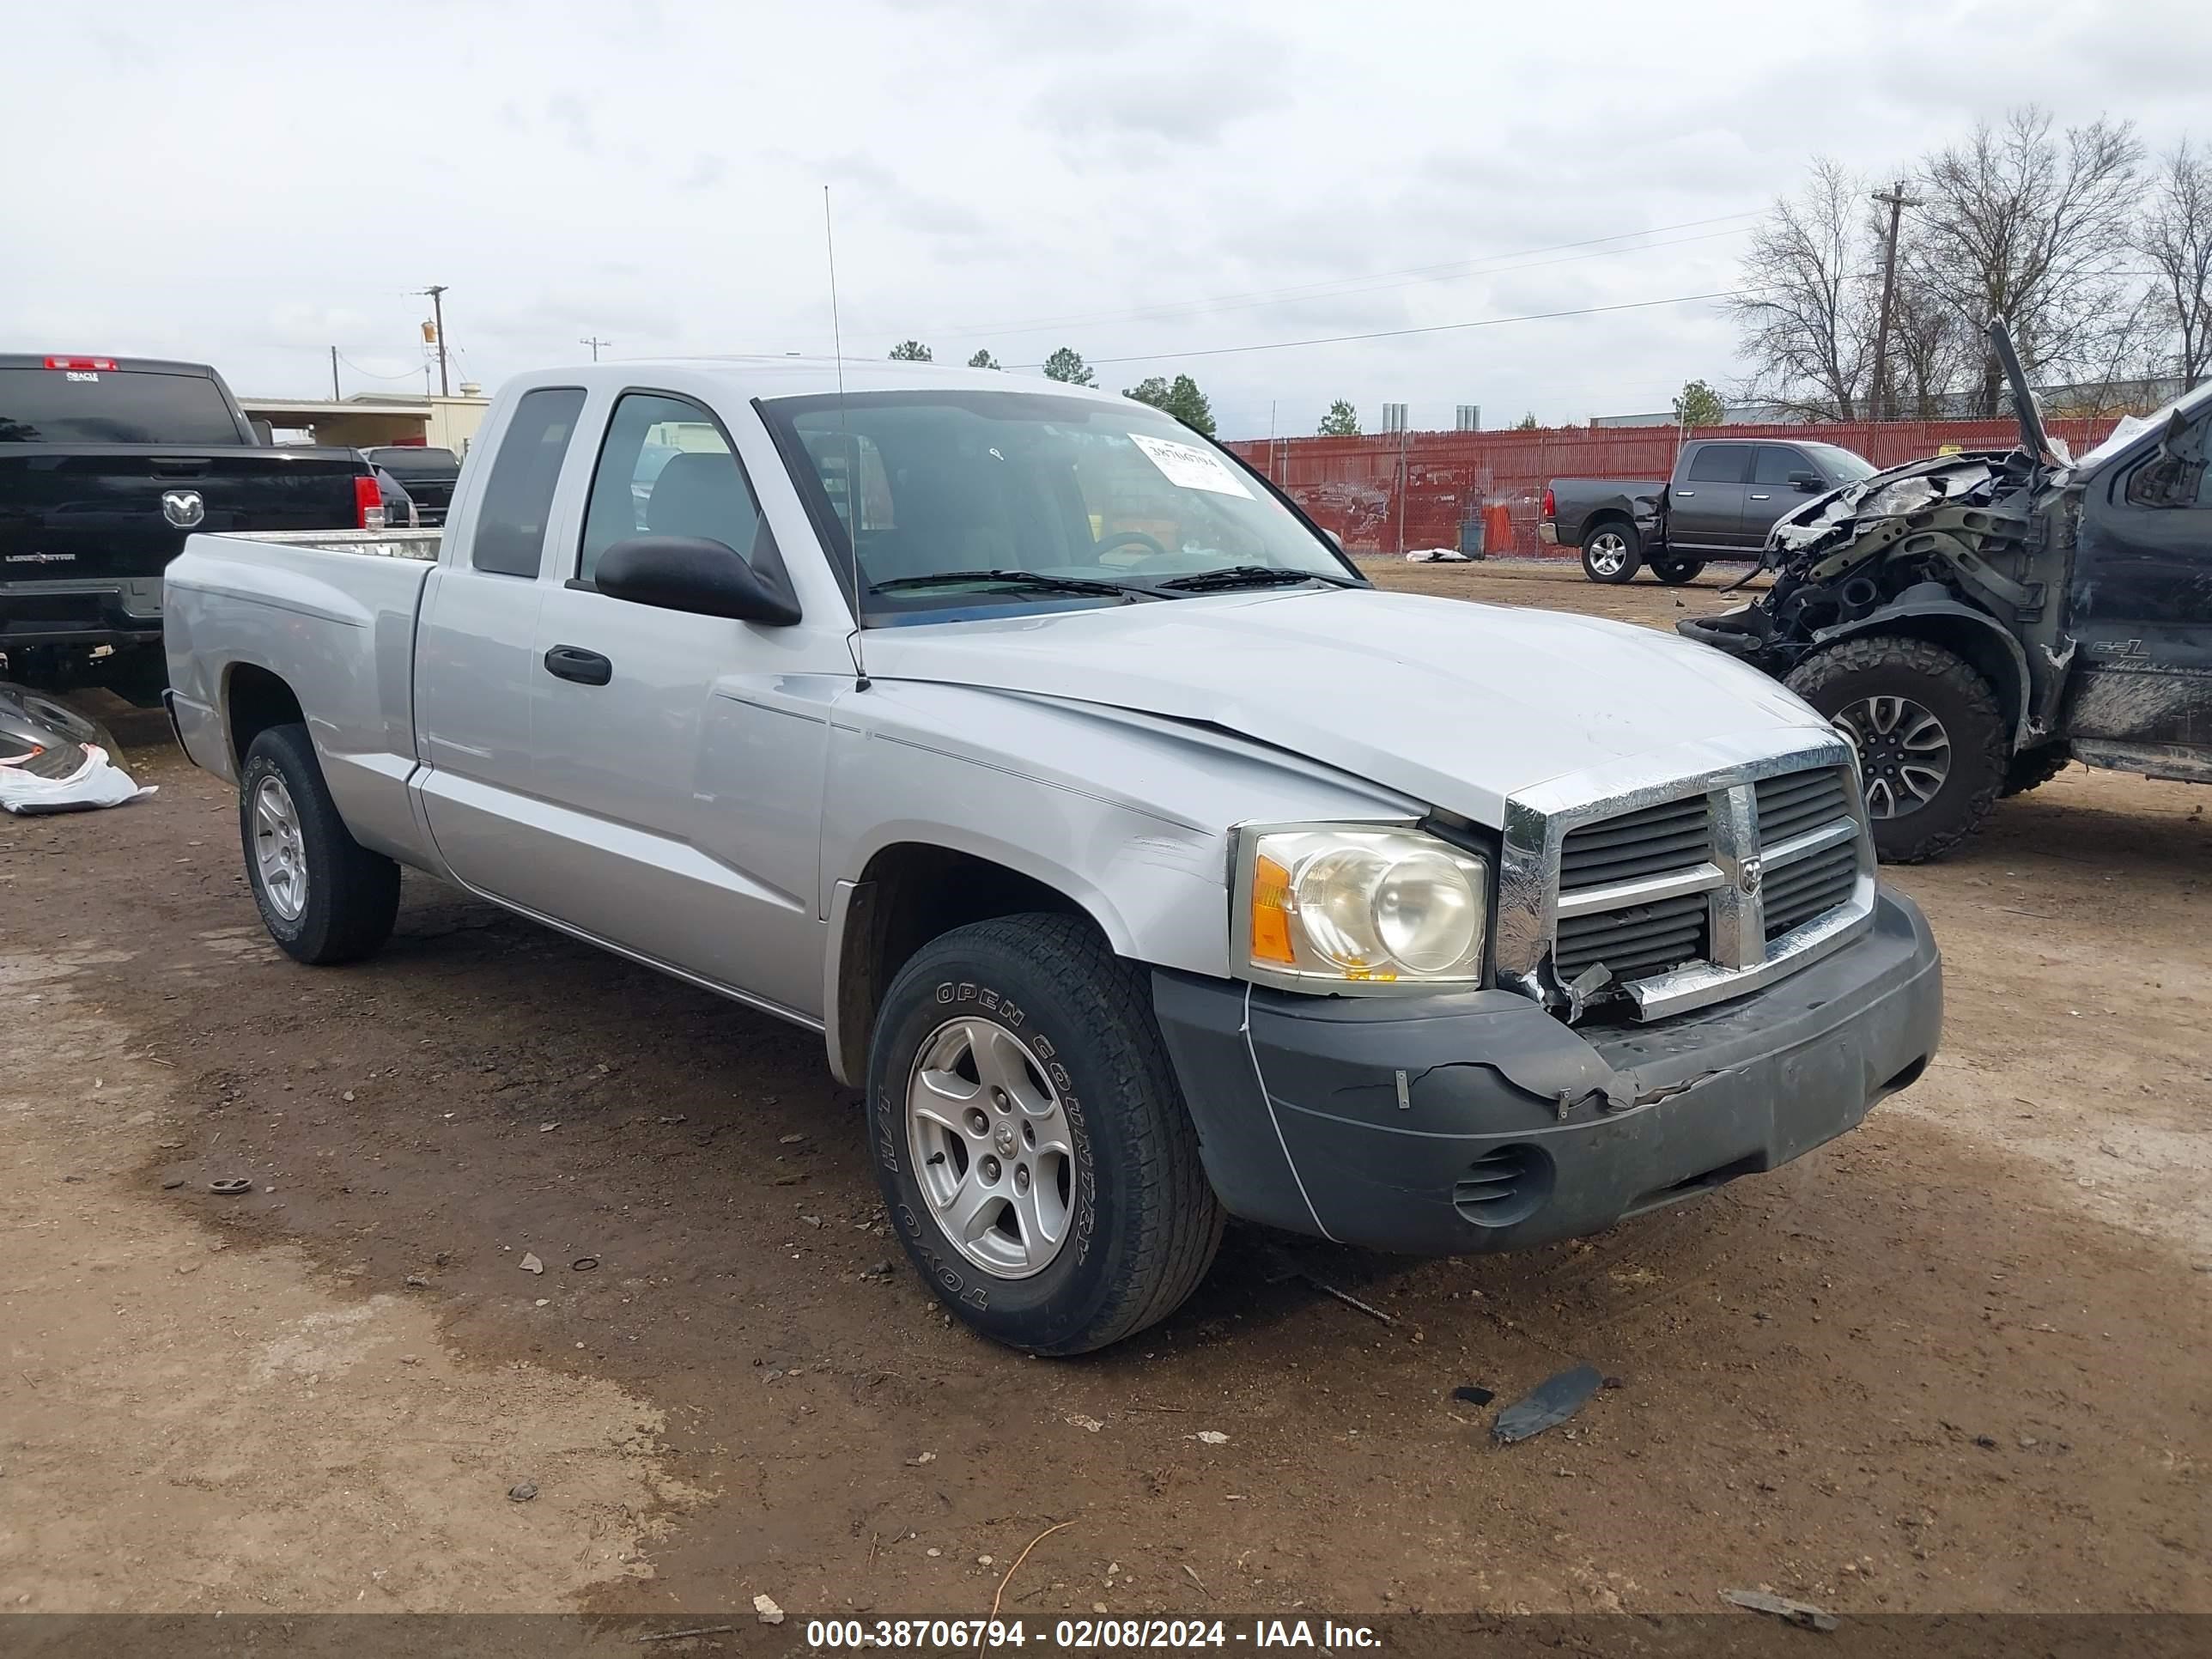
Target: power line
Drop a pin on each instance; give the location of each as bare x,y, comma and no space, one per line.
1445,272
404,374
1396,333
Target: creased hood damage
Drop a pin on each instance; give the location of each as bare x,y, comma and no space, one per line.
1455,704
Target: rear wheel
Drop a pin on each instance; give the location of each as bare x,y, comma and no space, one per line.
2032,769
1930,736
1612,552
1031,1138
1675,572
324,896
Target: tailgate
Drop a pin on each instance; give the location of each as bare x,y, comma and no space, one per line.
122,511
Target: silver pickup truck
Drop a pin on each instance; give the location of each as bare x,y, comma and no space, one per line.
1137,860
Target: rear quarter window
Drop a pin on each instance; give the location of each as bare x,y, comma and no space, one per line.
517,499
1720,463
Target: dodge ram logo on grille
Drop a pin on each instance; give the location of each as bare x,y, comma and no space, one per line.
1753,872
183,507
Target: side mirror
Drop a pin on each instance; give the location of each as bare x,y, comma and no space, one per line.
691,573
1806,483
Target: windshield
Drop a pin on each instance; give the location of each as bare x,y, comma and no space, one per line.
1839,464
1039,500
2128,427
415,460
111,406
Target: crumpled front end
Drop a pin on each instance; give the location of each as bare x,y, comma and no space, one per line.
1973,523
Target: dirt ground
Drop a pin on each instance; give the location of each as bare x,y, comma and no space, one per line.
1954,1361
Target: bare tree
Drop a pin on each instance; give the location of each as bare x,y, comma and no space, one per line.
2175,234
1931,352
2035,227
1805,317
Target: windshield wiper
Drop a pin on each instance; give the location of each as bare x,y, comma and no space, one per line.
1030,579
1250,575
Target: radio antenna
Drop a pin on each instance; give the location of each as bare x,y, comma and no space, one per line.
845,437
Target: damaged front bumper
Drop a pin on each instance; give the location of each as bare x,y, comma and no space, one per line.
1461,1123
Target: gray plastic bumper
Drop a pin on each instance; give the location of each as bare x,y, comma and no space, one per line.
1457,1124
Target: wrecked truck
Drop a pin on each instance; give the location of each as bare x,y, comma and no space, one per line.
1972,621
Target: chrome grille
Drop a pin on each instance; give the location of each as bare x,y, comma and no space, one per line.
1797,801
1647,939
1643,843
1798,892
1732,876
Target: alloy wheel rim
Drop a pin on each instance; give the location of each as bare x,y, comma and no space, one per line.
1609,552
1904,753
279,856
993,1150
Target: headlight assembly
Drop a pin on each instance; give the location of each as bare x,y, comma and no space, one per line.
1346,906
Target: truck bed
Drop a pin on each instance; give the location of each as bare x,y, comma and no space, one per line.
331,614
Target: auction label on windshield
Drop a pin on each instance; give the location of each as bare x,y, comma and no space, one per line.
1188,467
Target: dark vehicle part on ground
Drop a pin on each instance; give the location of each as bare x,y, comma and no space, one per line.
1724,494
52,759
106,466
427,474
1971,621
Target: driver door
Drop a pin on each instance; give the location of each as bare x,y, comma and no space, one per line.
2142,598
679,757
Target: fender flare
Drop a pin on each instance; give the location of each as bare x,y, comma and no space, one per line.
1927,611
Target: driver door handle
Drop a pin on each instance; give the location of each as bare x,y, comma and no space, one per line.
1686,492
1759,498
573,662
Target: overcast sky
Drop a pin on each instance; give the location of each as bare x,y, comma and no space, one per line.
249,184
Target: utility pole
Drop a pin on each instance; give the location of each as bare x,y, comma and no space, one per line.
334,374
595,343
1896,201
436,291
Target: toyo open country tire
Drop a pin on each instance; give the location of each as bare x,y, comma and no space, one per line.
1106,1236
1612,552
1912,683
324,896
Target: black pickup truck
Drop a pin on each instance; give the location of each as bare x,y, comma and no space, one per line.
1973,622
427,474
1725,494
106,466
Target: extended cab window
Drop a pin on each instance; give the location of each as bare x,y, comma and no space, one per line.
666,469
1719,463
518,499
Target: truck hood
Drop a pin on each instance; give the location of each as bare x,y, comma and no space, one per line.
1458,705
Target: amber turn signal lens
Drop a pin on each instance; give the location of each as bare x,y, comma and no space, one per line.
1270,913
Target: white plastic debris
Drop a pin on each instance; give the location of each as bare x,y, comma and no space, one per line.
94,782
1211,1438
1437,556
769,1613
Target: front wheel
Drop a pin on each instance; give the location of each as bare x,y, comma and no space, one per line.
1612,553
324,896
1930,736
1031,1138
1675,572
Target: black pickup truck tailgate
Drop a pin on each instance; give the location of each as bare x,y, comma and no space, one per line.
86,530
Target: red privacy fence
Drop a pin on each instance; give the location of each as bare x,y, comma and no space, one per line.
1358,487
